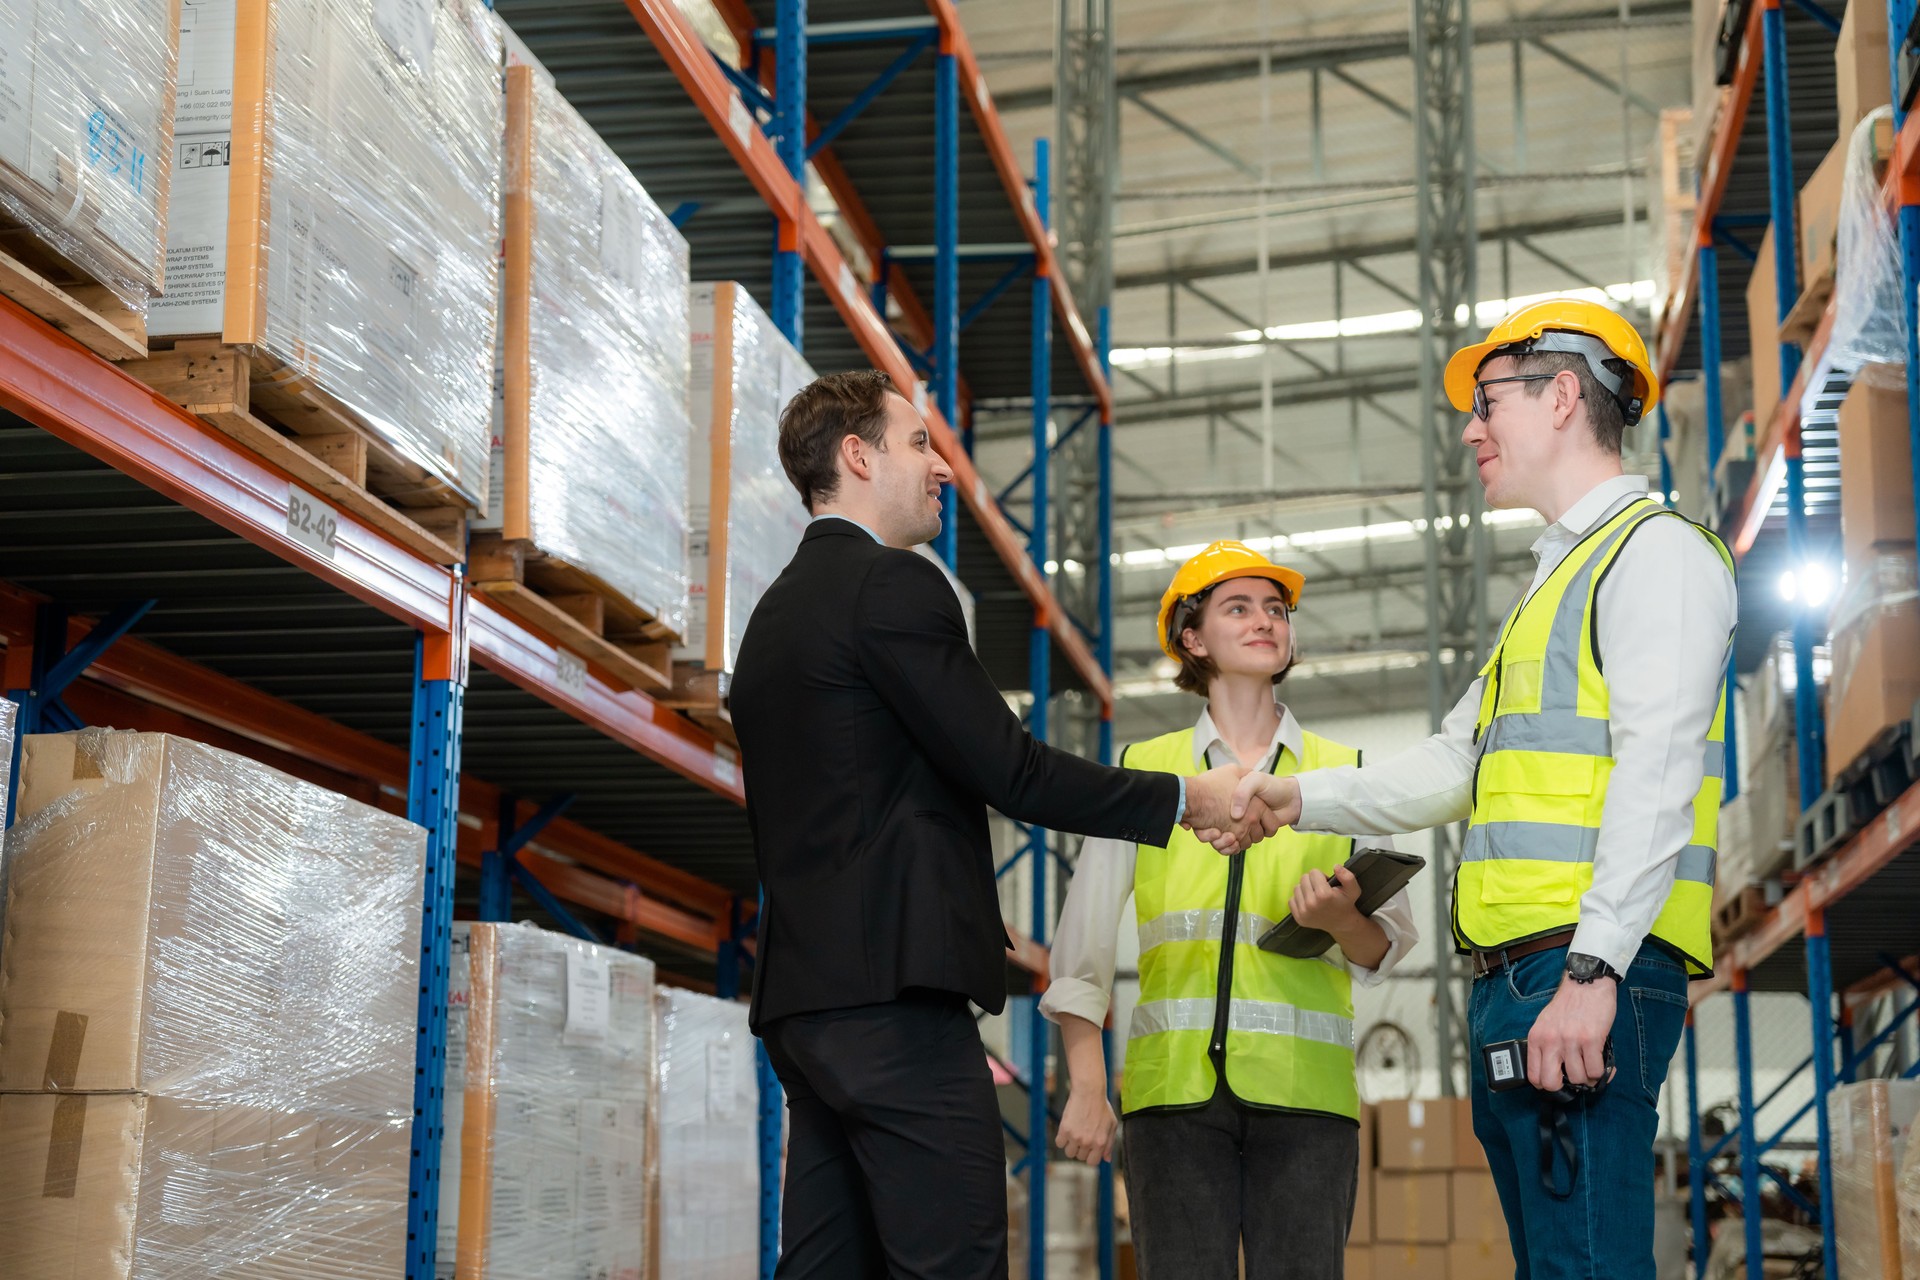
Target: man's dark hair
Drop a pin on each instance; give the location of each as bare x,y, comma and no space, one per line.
1195,671
1604,413
827,411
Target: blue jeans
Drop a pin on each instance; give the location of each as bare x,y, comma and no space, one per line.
1604,1229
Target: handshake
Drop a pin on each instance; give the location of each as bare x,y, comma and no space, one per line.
1234,809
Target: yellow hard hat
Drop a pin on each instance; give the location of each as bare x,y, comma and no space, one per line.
1219,562
1572,327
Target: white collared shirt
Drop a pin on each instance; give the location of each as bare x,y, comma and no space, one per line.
1087,938
1664,618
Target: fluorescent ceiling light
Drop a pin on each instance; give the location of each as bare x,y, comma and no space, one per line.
1322,539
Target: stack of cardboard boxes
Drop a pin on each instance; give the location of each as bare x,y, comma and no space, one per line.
1875,624
1426,1208
1871,1123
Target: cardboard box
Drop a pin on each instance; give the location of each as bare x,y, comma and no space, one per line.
1415,1134
706,1201
1361,1232
186,921
1411,1208
745,518
1476,1208
1410,1261
1871,1124
1876,478
1358,1264
591,469
129,1186
1467,1151
1480,1259
86,136
1818,214
1763,325
557,1051
1907,1204
1876,654
336,205
1862,76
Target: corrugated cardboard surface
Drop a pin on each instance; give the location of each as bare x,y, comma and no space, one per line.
1476,1208
1410,1262
1763,323
1871,1124
1415,1134
1876,478
1411,1208
1359,1263
1480,1259
1362,1229
1862,68
1876,666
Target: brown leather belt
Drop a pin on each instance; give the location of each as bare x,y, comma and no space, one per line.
1486,963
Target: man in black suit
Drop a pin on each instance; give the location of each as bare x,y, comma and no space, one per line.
874,743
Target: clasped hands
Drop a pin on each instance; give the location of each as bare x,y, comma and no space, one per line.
1234,809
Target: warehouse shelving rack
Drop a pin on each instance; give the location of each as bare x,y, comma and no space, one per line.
1854,911
358,665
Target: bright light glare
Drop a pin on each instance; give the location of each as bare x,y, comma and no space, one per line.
1812,585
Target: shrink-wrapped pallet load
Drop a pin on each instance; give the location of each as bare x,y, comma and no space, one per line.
707,1202
207,1019
336,216
746,518
86,136
557,1049
592,471
1871,1123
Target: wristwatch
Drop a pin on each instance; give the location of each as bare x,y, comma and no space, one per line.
1585,969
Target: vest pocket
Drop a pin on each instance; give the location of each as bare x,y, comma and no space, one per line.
1509,881
1519,686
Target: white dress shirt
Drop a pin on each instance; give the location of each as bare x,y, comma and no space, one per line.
1665,617
1085,942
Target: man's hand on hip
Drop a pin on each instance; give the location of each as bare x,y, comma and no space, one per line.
1568,1040
1209,799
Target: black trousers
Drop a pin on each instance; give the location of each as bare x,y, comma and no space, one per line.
895,1167
1201,1184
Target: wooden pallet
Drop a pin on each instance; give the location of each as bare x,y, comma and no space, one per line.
47,285
1739,914
700,696
281,415
575,608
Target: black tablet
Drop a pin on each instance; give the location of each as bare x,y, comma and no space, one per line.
1381,872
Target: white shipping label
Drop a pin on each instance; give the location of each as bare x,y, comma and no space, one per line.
1417,1114
1500,1063
311,522
589,998
623,231
19,19
202,153
407,27
723,1088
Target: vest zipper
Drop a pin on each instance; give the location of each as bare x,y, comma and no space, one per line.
1229,930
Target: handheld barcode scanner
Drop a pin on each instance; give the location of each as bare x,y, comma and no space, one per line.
1506,1064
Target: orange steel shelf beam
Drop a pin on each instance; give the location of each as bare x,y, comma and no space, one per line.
734,125
135,685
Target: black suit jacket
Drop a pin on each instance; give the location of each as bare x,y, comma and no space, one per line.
873,742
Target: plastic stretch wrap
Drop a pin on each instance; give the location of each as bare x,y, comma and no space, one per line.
593,467
558,1059
86,128
9,723
207,1017
709,1156
357,242
1907,1203
1870,320
1770,754
1882,588
1870,1123
746,517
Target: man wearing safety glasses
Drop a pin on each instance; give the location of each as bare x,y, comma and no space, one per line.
1587,759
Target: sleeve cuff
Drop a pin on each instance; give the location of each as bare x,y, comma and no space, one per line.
1312,798
1609,942
1180,812
1071,995
1397,946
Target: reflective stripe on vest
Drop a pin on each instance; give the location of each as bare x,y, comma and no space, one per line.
1287,1036
1546,760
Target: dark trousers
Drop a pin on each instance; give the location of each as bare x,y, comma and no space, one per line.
1203,1183
1596,1224
895,1166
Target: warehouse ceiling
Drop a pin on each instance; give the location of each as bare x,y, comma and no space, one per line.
1566,102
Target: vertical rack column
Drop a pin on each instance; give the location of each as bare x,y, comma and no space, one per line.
1104,649
1749,1132
433,801
946,274
1820,1000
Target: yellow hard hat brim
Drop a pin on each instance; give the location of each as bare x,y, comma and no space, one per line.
1290,581
1463,371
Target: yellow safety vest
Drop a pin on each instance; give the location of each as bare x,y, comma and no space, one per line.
1210,998
1546,754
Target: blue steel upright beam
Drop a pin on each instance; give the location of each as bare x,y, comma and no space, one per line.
946,276
1040,680
1900,15
1103,648
790,119
1749,1134
1783,192
1820,997
433,801
1696,1157
1710,352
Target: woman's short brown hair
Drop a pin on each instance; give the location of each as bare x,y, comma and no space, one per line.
1195,671
827,411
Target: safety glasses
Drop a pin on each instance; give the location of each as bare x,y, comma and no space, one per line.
1480,406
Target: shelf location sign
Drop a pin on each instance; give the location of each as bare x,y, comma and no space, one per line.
311,522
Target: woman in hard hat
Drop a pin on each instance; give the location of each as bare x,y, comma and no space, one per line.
1239,1092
